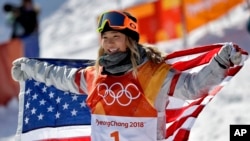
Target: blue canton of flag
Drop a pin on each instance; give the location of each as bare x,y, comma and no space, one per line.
46,106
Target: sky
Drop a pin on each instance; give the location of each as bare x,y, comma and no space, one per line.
57,40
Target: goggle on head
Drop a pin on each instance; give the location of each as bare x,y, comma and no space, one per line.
116,20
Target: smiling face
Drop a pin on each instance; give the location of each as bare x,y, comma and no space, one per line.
113,41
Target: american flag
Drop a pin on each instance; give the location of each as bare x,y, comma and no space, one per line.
46,113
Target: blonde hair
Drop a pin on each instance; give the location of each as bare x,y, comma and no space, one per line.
152,52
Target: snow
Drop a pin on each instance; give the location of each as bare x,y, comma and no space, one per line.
68,31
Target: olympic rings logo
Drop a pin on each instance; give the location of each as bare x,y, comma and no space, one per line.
116,96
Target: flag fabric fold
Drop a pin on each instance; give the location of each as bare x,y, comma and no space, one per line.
48,114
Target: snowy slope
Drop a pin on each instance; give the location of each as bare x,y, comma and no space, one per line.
75,28
69,32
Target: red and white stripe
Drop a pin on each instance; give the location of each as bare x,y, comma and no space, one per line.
181,115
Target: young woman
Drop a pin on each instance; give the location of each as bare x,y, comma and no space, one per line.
129,82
